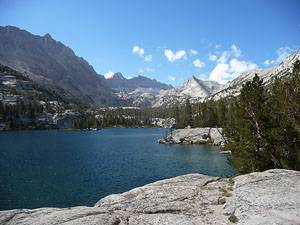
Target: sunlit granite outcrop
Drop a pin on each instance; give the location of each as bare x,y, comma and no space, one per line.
204,135
270,197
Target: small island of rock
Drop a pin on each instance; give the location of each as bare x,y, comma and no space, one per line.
206,135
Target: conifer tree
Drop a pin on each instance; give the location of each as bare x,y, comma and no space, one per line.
247,142
282,135
188,113
263,125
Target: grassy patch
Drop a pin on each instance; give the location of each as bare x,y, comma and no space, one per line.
230,189
231,181
222,201
233,219
227,194
222,189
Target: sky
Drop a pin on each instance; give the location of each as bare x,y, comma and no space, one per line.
169,40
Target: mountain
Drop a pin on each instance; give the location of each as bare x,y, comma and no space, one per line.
137,91
232,88
194,89
51,63
198,90
120,83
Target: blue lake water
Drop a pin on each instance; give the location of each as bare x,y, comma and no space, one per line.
69,168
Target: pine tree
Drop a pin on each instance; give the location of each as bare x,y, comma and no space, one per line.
247,142
178,119
263,125
282,135
188,113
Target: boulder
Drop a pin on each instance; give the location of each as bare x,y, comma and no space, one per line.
189,135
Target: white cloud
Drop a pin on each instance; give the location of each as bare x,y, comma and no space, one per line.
224,72
212,57
172,78
138,50
220,73
173,56
198,64
237,67
269,62
224,57
109,74
148,69
218,46
228,65
282,53
193,52
235,51
148,58
202,76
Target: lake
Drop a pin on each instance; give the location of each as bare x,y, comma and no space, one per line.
70,168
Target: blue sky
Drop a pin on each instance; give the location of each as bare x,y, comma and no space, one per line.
169,40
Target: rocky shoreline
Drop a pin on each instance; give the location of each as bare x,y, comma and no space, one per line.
270,197
206,135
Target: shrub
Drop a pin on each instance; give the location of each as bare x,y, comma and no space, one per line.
233,219
227,194
222,201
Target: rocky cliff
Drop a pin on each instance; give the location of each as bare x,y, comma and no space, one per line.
270,197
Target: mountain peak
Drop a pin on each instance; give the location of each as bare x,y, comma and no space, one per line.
193,77
48,36
117,75
192,81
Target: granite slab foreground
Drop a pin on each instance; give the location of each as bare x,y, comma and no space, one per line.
270,197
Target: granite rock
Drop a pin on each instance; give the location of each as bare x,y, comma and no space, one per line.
270,197
188,135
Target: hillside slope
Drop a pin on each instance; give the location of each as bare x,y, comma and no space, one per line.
50,62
